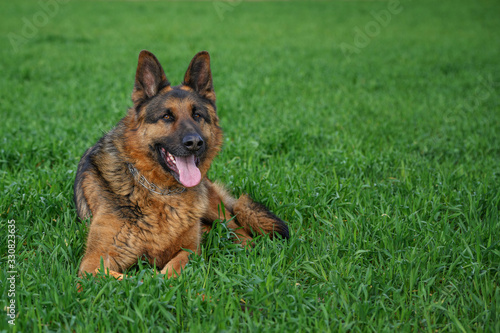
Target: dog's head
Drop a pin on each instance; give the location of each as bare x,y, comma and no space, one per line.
174,129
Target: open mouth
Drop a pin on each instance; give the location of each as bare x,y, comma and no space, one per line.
184,168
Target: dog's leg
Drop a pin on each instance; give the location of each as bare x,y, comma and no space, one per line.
91,262
173,267
102,246
190,243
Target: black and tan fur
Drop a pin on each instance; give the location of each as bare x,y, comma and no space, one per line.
128,220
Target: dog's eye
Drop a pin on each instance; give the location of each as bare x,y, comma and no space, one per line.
196,115
168,116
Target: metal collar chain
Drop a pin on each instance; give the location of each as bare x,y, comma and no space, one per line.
150,186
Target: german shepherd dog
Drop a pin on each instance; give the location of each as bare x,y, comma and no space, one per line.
144,183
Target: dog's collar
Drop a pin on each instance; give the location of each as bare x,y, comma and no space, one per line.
150,186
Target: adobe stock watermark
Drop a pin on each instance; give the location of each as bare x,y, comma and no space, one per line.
221,7
483,91
11,272
30,26
363,36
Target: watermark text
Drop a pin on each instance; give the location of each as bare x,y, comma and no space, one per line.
11,272
31,25
363,36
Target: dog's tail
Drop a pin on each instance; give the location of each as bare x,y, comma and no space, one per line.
256,218
253,217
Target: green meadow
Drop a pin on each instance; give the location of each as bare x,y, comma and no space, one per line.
371,127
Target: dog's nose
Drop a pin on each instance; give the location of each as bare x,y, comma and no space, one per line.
193,142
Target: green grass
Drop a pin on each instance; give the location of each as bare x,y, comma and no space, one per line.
385,163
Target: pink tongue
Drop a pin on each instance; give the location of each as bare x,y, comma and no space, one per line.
189,174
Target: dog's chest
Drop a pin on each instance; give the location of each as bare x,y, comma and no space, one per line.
170,219
166,227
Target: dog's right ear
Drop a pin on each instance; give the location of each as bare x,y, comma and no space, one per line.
149,78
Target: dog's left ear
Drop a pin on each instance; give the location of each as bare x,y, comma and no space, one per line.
199,77
149,77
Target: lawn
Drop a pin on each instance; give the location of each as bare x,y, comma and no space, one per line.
372,127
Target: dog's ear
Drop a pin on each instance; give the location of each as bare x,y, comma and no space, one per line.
149,77
199,77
